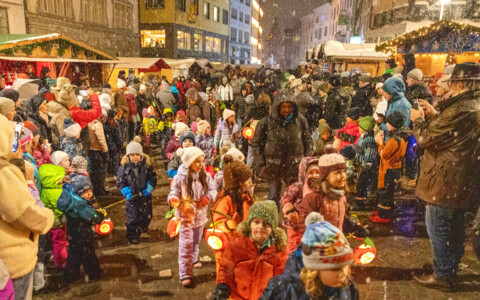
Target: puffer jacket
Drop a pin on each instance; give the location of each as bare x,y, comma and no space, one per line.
336,107
200,109
349,134
166,97
191,215
367,150
121,102
97,137
449,167
418,91
398,102
240,107
362,100
83,117
132,107
392,153
304,102
136,176
223,135
246,269
113,136
51,175
280,143
206,143
172,146
223,207
71,146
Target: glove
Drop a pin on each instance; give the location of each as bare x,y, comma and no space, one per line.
148,190
99,217
222,292
127,192
174,202
204,201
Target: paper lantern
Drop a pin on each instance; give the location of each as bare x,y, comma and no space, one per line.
150,110
248,132
173,227
215,238
364,254
105,227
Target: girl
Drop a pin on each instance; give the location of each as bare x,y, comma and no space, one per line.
174,142
187,139
192,190
227,130
204,141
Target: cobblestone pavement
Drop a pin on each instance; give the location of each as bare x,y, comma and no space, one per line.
132,272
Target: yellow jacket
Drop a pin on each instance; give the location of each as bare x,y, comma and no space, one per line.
150,125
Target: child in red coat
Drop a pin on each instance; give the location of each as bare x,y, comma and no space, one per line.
350,133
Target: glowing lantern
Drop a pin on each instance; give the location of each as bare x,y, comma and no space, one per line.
364,254
215,238
105,227
248,132
173,227
151,110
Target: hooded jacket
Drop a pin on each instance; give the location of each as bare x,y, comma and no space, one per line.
105,103
398,102
83,117
165,96
59,113
132,107
223,135
349,134
21,219
321,143
50,176
336,107
136,176
227,207
304,102
392,153
362,100
121,102
33,106
199,109
418,91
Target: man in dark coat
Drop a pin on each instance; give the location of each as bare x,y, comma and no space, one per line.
280,142
363,95
416,89
449,174
336,104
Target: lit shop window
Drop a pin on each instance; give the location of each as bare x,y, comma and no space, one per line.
213,44
153,38
198,42
183,40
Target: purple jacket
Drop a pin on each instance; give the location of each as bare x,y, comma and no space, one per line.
223,134
205,142
190,214
172,146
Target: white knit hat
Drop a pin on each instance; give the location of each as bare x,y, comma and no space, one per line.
71,128
57,157
134,148
179,128
121,84
202,126
142,87
296,83
236,154
291,77
189,155
329,163
227,113
416,74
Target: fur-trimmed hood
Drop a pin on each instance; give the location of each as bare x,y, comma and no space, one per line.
146,158
279,236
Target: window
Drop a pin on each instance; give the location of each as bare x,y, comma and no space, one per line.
195,5
206,10
225,17
234,13
3,20
317,20
216,13
153,38
247,37
233,34
241,16
247,19
154,4
213,44
326,31
240,36
323,17
181,5
122,16
198,42
183,40
247,2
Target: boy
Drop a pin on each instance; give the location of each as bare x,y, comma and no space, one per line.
391,156
350,134
70,143
136,179
325,137
187,139
114,139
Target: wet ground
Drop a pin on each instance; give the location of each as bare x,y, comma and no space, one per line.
133,271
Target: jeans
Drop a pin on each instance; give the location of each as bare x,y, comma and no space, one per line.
274,191
23,286
446,230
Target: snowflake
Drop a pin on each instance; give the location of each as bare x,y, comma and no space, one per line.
435,46
413,48
425,44
476,46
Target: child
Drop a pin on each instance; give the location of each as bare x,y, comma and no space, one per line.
70,141
367,157
136,179
325,262
166,129
257,255
391,156
235,154
80,215
191,192
233,202
174,143
227,130
187,139
292,199
41,152
150,127
204,141
98,156
325,137
52,180
350,134
353,168
180,117
60,158
114,139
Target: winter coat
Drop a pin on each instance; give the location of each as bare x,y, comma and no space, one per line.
181,91
33,106
105,103
172,146
290,287
59,113
218,178
362,100
336,107
304,102
381,108
132,107
191,215
418,91
113,135
41,156
97,137
21,219
71,146
199,109
149,125
246,269
321,143
367,150
392,153
449,167
141,102
224,135
240,107
227,207
236,86
349,134
165,96
83,117
136,176
50,176
225,93
279,144
206,143
257,111
173,165
398,102
315,113
121,102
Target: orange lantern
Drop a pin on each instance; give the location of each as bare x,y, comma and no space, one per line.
105,227
150,110
173,227
248,132
215,238
364,254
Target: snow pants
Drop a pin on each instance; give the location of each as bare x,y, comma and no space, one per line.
138,211
188,250
59,241
82,253
386,194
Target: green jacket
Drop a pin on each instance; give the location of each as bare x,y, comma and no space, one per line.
50,176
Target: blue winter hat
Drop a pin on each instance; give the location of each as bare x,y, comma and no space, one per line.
187,135
348,152
80,184
324,246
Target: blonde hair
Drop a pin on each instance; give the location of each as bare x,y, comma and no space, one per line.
312,282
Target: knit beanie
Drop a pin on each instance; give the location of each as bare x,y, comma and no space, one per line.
335,81
324,246
235,154
367,123
79,163
57,157
80,184
348,152
443,82
329,163
396,119
11,94
137,139
323,127
134,148
202,126
364,78
187,135
6,105
194,127
32,127
235,172
142,87
416,74
71,128
179,128
121,84
266,210
192,94
26,136
227,113
189,155
354,113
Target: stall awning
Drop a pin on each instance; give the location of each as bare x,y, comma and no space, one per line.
57,60
221,66
204,63
356,52
180,63
143,64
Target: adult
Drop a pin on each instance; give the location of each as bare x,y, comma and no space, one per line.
448,180
416,89
363,95
304,99
408,64
141,100
336,104
21,219
225,93
394,93
240,106
257,111
7,108
279,143
390,66
120,101
197,107
2,83
37,111
165,96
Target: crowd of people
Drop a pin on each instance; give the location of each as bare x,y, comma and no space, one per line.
337,142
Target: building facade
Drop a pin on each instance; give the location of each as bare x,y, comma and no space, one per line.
257,30
240,31
12,17
315,30
185,28
107,25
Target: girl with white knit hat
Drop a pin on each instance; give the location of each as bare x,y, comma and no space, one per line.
191,192
227,130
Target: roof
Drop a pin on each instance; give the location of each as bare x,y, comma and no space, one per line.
141,63
360,52
10,43
57,60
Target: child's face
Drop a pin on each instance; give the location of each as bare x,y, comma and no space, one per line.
261,230
313,172
87,195
337,178
335,278
197,165
326,135
247,185
65,163
187,143
208,131
134,157
231,120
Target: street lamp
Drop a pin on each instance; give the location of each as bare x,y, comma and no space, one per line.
443,2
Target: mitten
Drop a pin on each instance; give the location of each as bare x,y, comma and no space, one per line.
127,192
204,201
148,190
174,202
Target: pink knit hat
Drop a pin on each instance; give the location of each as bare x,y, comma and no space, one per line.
329,163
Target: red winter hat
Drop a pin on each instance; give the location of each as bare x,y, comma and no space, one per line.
32,127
